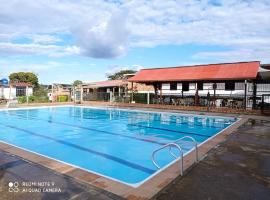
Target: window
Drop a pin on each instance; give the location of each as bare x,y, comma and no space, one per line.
185,86
20,91
173,86
229,85
200,86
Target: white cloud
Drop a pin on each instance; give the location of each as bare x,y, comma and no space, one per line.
44,39
107,39
103,29
238,55
9,49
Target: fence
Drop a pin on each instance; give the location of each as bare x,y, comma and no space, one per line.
229,101
265,106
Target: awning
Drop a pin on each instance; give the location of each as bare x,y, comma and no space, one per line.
102,84
225,71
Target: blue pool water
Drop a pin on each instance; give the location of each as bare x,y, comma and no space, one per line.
110,142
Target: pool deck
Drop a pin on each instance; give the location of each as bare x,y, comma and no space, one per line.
237,169
155,186
15,169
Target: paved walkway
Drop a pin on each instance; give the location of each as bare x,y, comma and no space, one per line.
237,169
14,169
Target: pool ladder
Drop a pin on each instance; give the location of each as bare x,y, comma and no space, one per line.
174,144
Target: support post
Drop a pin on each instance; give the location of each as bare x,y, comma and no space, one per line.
245,98
160,92
214,98
254,94
27,95
52,94
196,100
156,92
148,97
132,92
81,100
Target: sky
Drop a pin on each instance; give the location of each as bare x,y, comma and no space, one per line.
65,40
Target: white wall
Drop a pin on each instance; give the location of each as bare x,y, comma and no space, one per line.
11,93
239,89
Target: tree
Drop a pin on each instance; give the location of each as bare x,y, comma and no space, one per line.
77,82
120,75
26,77
40,91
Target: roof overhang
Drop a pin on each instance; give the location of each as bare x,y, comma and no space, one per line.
105,84
210,72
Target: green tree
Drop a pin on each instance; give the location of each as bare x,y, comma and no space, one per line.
40,91
120,75
77,82
27,77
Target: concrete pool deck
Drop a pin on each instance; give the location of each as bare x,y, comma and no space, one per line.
146,191
239,168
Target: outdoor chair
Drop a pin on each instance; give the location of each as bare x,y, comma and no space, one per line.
181,102
167,100
174,102
239,104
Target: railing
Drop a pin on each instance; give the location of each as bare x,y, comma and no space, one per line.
165,146
193,141
174,144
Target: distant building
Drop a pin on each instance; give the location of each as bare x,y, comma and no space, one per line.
59,89
14,90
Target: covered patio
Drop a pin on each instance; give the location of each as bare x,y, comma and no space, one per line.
109,90
231,85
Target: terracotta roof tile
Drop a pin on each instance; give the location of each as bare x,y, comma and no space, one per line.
225,71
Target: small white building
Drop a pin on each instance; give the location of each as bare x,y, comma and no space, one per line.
14,90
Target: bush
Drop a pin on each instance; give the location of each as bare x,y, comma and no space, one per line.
62,98
22,99
33,99
42,99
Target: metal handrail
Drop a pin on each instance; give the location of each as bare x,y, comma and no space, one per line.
165,146
194,142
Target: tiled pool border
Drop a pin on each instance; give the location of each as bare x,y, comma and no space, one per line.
144,190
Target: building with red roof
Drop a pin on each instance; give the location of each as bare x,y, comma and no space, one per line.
223,80
15,89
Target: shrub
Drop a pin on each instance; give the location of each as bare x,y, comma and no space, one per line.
22,99
31,99
62,98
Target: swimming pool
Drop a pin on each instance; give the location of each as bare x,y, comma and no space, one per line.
114,143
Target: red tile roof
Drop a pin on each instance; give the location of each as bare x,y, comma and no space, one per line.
110,83
225,71
21,84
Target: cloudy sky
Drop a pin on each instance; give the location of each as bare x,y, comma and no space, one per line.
64,40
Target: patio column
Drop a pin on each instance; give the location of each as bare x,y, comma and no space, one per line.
214,99
81,95
27,95
245,98
119,91
160,89
196,100
254,94
132,92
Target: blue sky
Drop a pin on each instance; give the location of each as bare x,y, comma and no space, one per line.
66,40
